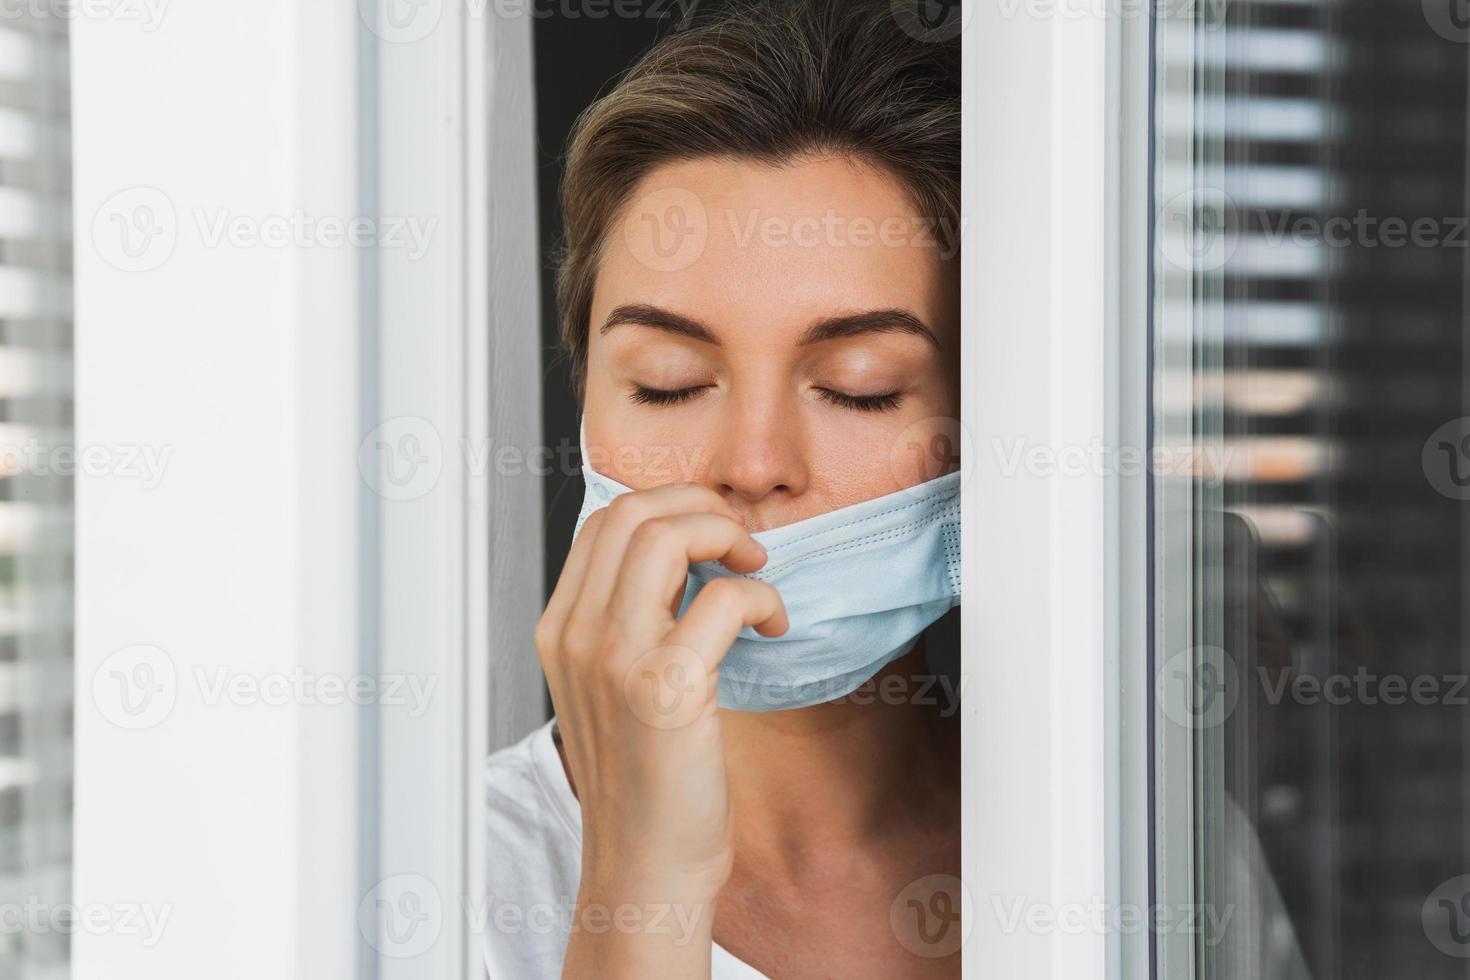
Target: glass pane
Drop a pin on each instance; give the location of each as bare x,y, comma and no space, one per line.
1310,533
37,460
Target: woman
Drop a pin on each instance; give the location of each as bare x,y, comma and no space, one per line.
751,770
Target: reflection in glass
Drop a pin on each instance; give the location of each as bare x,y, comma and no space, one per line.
36,564
1309,324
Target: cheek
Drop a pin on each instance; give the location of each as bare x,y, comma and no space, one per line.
638,448
853,460
927,449
858,459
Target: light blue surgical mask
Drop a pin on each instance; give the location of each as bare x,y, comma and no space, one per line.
859,584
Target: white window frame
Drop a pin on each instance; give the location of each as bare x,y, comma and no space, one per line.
1055,631
264,370
252,831
461,572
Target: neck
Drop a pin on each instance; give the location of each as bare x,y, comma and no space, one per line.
848,772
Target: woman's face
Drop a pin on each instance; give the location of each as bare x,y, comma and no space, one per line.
788,336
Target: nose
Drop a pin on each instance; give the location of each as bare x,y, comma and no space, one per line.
758,461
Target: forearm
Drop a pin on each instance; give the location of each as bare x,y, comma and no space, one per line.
624,931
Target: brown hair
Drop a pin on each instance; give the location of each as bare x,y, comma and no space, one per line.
767,80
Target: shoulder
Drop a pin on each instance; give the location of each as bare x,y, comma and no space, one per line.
533,859
525,788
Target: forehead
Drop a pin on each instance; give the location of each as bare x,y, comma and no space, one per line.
763,247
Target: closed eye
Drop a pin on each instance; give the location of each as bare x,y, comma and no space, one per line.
860,403
643,395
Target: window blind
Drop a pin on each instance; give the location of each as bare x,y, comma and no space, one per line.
39,459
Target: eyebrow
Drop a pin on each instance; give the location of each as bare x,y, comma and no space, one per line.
659,319
827,328
869,321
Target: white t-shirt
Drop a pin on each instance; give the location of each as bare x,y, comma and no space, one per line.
534,828
534,848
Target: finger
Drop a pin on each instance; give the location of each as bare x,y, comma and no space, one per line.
722,609
650,582
623,516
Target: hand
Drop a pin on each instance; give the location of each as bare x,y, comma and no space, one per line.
635,696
